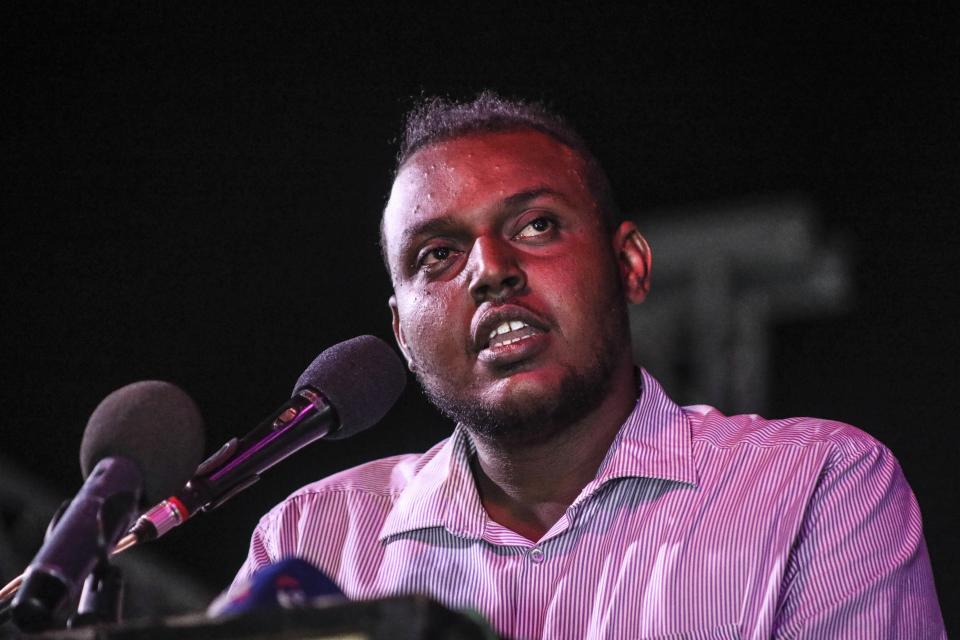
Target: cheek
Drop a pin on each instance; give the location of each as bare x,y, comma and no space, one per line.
582,289
423,320
581,273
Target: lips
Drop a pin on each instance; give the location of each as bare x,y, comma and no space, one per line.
505,327
510,332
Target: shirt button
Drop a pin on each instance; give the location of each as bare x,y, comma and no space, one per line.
536,555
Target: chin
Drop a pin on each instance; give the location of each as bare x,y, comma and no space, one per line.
525,406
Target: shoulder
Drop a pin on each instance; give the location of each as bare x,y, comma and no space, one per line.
385,477
823,449
374,485
714,428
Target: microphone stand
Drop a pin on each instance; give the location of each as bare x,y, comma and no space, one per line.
101,600
33,610
6,608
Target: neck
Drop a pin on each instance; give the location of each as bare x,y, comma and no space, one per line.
527,487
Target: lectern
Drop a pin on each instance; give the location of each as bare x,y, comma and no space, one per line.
398,618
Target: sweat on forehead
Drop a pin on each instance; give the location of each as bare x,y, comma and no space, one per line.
447,165
491,173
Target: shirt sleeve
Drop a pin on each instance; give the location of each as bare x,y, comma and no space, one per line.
859,567
257,558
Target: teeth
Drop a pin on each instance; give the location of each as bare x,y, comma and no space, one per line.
504,327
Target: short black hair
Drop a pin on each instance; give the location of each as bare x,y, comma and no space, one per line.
437,119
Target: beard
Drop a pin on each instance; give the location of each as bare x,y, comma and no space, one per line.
528,420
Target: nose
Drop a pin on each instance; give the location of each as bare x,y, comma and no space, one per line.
495,273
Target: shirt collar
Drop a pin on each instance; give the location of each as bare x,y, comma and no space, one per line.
441,494
654,442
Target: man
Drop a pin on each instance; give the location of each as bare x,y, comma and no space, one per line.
574,498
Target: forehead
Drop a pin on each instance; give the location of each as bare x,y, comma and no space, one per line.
470,172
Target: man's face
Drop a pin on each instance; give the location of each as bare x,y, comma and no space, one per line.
508,302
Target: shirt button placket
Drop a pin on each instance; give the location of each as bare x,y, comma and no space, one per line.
536,555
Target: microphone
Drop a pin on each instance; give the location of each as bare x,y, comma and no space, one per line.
142,441
291,583
346,389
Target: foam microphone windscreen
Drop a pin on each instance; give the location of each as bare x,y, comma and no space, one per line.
361,377
291,583
156,425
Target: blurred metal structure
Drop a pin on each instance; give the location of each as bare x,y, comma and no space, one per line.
153,588
722,277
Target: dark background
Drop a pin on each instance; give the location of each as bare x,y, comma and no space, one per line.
191,192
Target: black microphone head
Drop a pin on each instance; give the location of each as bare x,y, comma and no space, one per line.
361,377
156,425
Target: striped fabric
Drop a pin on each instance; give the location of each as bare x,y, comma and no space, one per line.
698,525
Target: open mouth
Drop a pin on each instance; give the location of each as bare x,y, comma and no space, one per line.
510,332
509,335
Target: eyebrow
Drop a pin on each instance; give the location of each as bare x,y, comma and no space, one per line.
446,225
436,226
524,197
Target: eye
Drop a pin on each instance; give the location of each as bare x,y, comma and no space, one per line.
537,227
435,255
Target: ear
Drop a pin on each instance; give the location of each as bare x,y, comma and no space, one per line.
398,332
634,258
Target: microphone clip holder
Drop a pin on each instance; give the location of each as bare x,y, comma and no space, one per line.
101,600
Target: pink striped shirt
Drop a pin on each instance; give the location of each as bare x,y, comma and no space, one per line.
698,525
